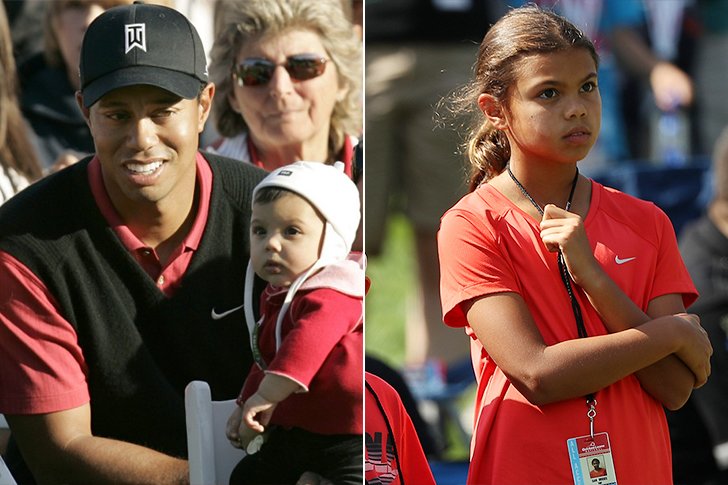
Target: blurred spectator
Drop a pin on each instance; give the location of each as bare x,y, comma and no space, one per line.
710,67
658,92
357,14
353,10
202,15
310,108
26,27
49,81
702,426
417,52
18,163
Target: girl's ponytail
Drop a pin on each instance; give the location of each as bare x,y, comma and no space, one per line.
488,152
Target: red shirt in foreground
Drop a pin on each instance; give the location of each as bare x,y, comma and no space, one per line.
393,452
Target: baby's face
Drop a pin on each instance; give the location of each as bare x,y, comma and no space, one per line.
285,238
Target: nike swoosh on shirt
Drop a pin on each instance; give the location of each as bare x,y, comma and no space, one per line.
218,316
618,260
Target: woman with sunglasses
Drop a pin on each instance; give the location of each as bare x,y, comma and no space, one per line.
288,75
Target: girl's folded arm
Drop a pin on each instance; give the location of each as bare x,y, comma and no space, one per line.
668,380
572,368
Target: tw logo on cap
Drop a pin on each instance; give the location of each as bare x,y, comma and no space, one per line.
135,36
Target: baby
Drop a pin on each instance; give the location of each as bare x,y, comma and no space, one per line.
300,409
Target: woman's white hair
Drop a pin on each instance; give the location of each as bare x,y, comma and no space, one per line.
238,22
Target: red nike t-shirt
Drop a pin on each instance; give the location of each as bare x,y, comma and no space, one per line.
488,245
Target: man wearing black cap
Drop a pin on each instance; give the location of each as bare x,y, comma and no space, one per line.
117,274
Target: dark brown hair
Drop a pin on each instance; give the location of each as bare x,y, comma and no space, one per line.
521,32
266,195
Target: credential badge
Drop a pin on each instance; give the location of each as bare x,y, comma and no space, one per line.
135,36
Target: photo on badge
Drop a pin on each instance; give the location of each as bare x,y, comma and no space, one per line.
591,460
595,466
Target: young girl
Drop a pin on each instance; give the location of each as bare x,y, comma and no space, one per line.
574,294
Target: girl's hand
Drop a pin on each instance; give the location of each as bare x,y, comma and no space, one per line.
563,230
696,349
256,413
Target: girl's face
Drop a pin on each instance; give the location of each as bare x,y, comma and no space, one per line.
285,238
286,111
554,109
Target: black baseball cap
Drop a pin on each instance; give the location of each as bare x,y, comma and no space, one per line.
141,44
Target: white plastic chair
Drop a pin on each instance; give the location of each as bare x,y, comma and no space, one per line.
5,477
211,456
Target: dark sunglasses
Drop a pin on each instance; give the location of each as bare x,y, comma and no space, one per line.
256,71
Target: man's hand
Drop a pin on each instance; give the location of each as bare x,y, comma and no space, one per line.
237,432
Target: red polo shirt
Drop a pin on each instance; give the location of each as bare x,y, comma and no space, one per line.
42,368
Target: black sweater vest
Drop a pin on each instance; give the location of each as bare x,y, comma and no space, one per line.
141,348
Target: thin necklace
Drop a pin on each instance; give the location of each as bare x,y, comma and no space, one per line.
528,196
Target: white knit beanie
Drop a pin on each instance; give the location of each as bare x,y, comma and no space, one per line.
330,191
336,197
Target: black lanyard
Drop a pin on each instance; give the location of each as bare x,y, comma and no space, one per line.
566,279
563,270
